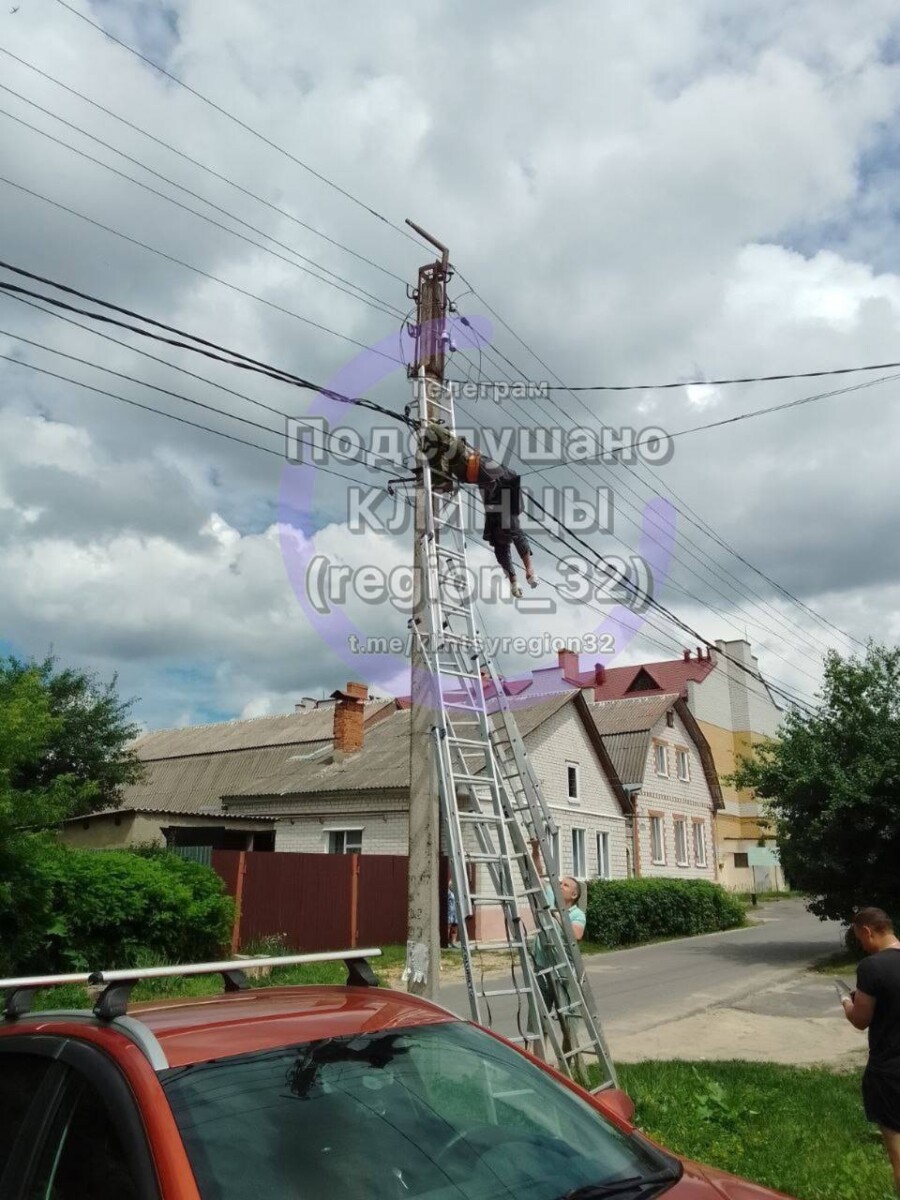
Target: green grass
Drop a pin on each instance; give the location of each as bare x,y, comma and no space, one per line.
770,897
842,962
798,1130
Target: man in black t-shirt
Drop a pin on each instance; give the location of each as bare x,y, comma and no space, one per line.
875,1005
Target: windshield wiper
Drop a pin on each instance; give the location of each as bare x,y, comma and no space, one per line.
643,1185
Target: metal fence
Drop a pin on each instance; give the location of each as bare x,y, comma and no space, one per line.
317,901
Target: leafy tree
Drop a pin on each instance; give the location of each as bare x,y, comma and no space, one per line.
84,741
832,783
63,752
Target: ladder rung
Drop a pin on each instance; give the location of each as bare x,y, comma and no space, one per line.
489,995
454,555
478,857
497,947
491,899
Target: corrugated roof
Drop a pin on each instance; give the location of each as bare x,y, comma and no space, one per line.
627,716
624,726
628,754
383,762
195,783
314,725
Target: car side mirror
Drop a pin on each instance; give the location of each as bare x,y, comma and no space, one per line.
616,1103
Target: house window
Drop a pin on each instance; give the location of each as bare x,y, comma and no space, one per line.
662,759
699,844
657,845
604,869
670,719
683,763
345,841
572,782
741,860
579,858
681,854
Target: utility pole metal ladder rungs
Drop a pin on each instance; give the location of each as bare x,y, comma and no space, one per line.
494,811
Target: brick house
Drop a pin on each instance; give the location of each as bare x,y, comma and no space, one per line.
734,709
343,798
665,764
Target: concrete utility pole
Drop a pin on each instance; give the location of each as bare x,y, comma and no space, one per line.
423,900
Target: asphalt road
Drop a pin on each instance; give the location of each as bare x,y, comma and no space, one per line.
650,986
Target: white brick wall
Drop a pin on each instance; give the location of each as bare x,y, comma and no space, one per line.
562,740
384,824
672,797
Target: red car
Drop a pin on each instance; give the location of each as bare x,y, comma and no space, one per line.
314,1093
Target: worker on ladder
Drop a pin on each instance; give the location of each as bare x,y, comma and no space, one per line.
453,460
555,993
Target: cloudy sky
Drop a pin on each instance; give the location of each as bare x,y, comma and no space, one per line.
643,192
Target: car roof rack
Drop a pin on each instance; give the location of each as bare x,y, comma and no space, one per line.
117,985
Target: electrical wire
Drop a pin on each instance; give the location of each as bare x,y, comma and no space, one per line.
337,281
658,387
190,267
201,166
653,525
188,399
172,416
784,591
242,124
758,412
235,358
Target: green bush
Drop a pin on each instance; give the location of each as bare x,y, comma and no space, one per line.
626,912
113,908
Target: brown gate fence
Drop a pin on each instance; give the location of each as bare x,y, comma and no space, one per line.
318,901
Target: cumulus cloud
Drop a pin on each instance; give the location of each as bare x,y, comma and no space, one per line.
643,194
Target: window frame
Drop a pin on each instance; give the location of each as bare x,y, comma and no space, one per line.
657,748
682,755
680,823
344,831
77,1063
699,826
573,769
604,857
658,818
744,866
575,832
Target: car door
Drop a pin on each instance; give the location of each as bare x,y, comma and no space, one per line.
82,1134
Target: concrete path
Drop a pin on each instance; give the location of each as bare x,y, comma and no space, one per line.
746,993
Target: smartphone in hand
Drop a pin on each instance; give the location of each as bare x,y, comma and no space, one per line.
844,992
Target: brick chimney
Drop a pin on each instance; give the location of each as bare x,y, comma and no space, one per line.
349,717
568,663
599,674
687,656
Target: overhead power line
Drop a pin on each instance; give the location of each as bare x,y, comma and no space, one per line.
242,124
336,281
648,526
747,416
196,270
235,358
680,383
86,362
784,591
18,362
200,165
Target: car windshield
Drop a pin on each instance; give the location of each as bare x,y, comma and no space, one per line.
441,1111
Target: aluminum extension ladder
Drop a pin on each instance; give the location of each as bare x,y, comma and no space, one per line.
494,812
